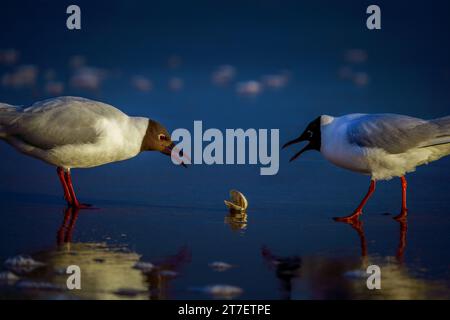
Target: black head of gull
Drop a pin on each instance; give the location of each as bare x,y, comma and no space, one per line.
312,134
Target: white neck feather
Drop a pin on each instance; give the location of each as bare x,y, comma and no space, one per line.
325,119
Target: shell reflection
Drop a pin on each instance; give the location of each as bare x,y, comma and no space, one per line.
236,220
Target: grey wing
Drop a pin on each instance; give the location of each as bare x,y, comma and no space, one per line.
443,125
60,121
397,133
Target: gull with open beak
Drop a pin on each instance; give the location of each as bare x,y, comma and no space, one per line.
73,132
380,145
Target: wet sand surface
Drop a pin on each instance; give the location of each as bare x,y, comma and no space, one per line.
285,247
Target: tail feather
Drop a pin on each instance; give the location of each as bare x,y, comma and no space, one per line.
442,134
443,125
7,113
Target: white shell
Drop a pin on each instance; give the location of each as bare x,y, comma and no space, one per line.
8,277
22,264
237,201
168,273
223,291
220,266
144,266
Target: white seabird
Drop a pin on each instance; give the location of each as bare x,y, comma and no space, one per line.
73,132
380,145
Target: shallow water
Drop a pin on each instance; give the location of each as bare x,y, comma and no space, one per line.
286,246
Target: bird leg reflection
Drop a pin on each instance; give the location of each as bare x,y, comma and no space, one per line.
402,242
358,227
65,231
358,211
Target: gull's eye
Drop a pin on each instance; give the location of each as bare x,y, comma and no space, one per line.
162,137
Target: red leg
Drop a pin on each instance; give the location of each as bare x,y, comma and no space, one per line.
358,211
75,203
67,196
404,211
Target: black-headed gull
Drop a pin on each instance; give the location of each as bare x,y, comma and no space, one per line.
74,132
380,145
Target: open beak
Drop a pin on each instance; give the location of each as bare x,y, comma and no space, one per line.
298,140
168,152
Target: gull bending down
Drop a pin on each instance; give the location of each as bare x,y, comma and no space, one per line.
73,132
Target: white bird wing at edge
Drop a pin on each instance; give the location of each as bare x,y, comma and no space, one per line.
59,121
397,133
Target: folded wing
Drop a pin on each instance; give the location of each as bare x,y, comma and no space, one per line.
59,121
397,133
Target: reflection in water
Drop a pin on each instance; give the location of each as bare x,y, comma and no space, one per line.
357,225
286,270
237,220
158,279
345,278
64,234
107,272
402,241
104,270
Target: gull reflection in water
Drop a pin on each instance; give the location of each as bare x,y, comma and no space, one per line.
325,277
287,269
107,272
400,253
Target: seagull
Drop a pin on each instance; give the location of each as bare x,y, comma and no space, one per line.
74,132
380,145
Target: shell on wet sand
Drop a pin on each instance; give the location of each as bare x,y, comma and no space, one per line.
8,277
223,291
22,264
237,201
220,266
145,267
